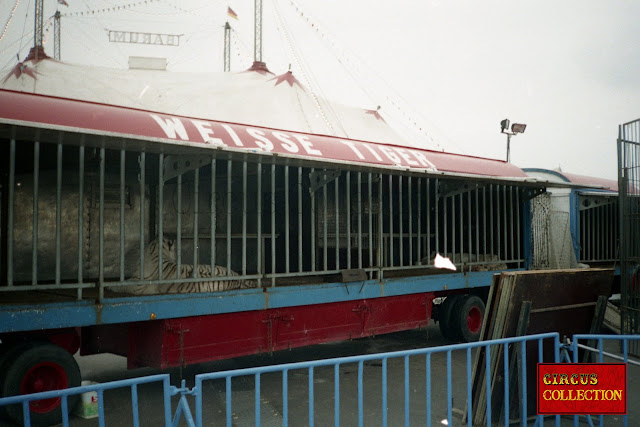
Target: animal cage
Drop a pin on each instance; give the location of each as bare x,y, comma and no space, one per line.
598,228
79,214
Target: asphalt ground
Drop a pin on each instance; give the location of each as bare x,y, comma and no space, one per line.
104,368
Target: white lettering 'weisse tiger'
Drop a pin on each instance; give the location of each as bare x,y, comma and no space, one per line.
169,271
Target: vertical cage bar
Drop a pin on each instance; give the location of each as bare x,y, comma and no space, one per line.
259,245
80,214
337,203
390,240
58,206
428,214
325,227
273,224
469,232
11,207
586,242
599,241
445,221
179,228
477,216
160,213
380,229
286,219
491,223
229,190
360,210
410,208
606,221
348,195
518,231
34,236
498,227
244,218
505,229
419,213
213,210
484,222
101,228
582,236
400,220
196,217
141,178
461,226
299,219
371,221
313,225
512,238
591,234
122,192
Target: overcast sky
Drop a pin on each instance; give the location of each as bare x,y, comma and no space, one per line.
444,72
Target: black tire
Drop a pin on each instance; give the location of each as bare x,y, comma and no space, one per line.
41,367
469,315
446,318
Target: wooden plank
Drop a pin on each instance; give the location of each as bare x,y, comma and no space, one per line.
562,301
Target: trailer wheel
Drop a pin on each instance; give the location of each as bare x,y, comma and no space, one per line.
41,367
469,314
447,318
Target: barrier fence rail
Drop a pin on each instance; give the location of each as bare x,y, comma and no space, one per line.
397,388
595,345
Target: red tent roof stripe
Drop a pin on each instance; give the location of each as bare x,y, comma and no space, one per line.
82,115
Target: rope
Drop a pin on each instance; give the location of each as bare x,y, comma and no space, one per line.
344,57
13,11
298,60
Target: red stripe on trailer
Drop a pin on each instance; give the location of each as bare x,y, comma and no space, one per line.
185,341
82,116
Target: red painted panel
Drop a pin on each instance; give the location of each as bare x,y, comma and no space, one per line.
93,117
199,339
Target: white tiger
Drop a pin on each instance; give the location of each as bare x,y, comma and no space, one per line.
169,271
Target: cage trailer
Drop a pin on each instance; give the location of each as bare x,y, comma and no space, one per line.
265,239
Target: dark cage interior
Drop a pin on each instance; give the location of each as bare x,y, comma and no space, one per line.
91,214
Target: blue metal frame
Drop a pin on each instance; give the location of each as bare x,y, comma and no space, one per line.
17,318
183,411
575,346
133,383
384,358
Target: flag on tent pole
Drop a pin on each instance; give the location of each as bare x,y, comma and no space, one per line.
230,12
63,2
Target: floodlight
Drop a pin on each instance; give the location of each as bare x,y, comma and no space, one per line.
504,124
518,128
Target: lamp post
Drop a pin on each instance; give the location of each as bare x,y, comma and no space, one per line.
516,128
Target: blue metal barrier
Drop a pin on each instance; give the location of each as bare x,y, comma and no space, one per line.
393,365
384,358
598,340
133,383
